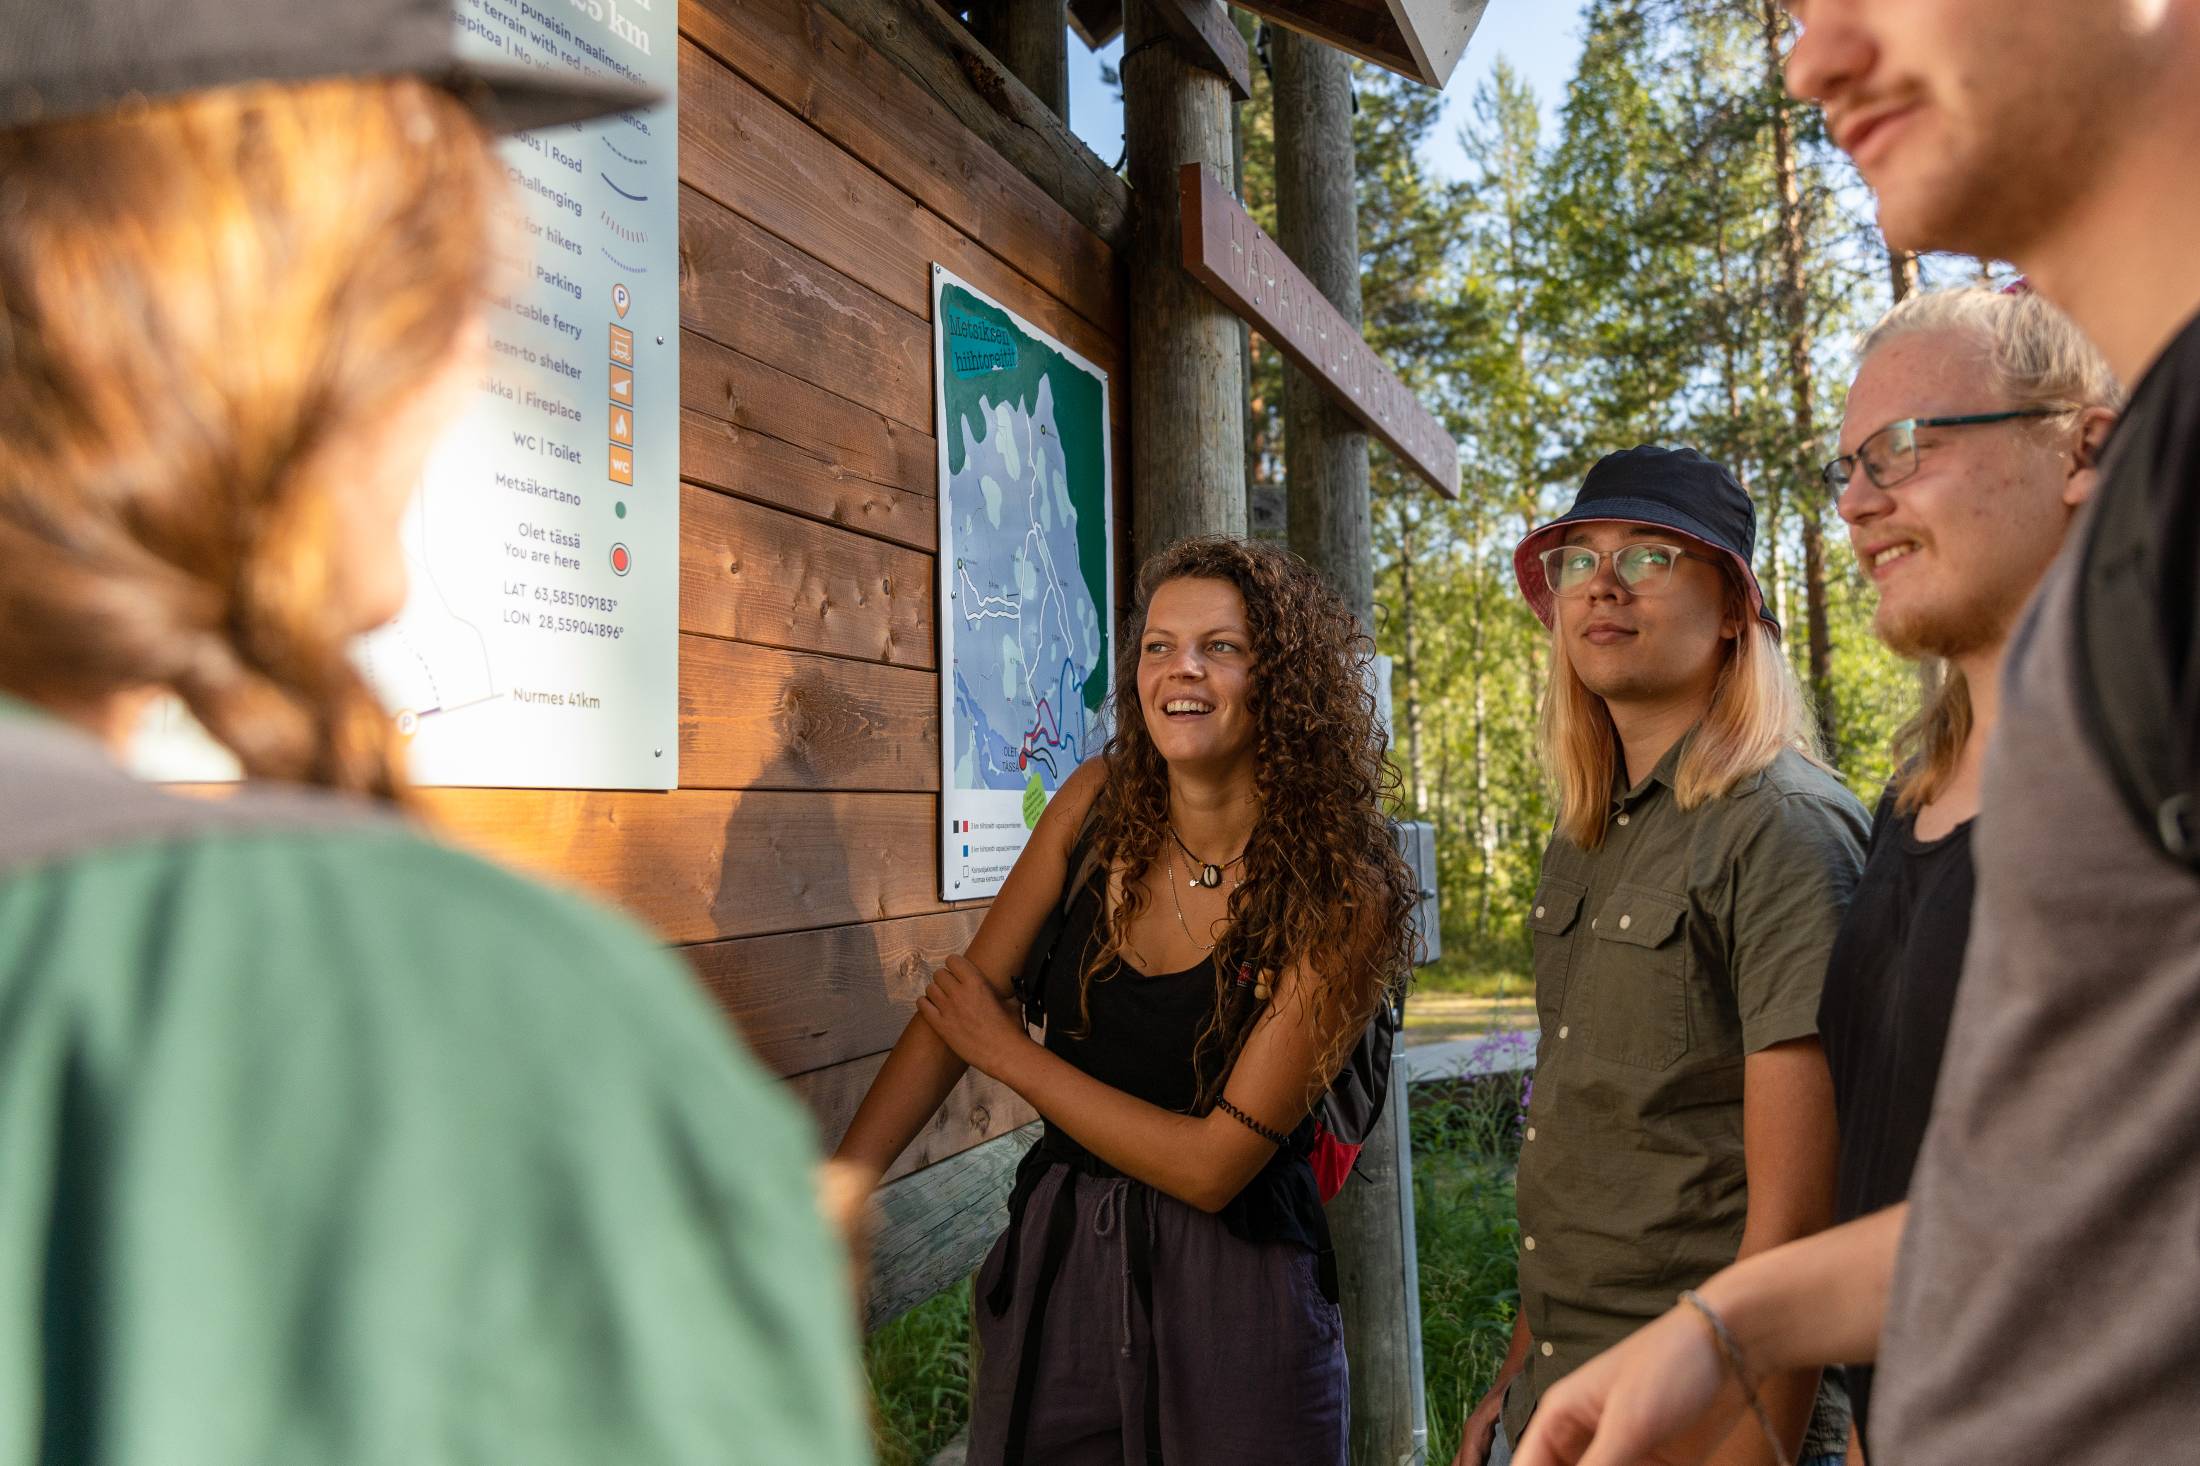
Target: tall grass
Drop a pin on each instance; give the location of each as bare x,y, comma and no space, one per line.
919,1368
1466,1145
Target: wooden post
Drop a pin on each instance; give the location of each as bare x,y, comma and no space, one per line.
1031,37
1325,456
1187,381
1324,449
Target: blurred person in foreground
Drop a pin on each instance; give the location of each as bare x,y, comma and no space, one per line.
323,1143
2033,1298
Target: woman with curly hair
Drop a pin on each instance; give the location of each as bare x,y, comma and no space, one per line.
1164,1290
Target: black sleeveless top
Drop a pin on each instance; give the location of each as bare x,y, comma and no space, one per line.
1138,1034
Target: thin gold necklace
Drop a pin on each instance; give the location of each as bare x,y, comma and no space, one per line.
1178,903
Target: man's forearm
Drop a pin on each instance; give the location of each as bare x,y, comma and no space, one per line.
1816,1301
1787,1398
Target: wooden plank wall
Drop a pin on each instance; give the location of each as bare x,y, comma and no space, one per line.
796,866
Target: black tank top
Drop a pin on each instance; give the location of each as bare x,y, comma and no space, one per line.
1138,1034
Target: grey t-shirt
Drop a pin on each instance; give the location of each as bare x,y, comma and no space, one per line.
2046,1305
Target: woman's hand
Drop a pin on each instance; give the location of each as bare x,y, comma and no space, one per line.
1659,1398
983,1028
844,1192
1480,1431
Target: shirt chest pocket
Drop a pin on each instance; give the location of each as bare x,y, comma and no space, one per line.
1637,1013
1551,922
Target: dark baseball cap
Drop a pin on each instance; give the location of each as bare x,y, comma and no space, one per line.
72,58
1673,488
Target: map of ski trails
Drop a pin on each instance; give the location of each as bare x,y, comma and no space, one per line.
1027,592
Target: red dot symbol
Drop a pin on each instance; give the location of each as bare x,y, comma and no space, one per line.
621,560
1023,757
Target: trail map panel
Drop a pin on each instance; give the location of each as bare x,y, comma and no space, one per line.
1027,581
540,647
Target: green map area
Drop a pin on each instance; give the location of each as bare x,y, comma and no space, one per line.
1026,554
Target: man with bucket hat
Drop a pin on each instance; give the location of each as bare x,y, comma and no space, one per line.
320,1142
1682,1112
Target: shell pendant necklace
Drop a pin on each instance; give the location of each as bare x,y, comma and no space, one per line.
1210,874
1178,902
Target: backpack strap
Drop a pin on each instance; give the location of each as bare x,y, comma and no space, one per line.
61,796
1084,863
2124,692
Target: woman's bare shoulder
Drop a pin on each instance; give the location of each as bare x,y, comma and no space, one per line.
1074,800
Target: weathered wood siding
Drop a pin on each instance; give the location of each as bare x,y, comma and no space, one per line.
796,866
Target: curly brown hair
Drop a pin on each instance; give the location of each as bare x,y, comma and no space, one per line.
1324,884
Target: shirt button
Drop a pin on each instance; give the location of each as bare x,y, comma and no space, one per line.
1528,1242
1546,1351
1623,819
1626,922
1539,913
1531,1132
1564,1029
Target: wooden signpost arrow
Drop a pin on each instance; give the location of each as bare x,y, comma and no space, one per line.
1249,272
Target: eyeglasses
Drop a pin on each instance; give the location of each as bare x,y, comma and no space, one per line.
1890,455
1642,568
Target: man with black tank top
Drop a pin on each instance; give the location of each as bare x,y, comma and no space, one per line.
1970,439
2033,1300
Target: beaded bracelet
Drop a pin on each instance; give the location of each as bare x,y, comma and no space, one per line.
1730,1351
1273,1137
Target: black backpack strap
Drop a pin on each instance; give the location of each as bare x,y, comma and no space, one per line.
2123,683
1353,1103
1084,863
61,796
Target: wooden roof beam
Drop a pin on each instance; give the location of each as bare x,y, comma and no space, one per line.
1210,40
934,49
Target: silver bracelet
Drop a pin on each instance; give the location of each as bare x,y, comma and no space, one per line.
1730,1352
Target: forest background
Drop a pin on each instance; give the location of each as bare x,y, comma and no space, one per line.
1681,258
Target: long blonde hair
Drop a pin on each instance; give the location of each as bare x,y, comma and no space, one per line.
2036,357
1757,709
208,306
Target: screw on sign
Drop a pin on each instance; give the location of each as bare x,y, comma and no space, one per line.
622,560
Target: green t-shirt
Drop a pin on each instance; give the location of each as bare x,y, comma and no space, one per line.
342,1147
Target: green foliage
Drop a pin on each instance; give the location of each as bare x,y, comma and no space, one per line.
919,1369
1466,1142
1471,972
1622,281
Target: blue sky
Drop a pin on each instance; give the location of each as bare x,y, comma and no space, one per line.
1541,38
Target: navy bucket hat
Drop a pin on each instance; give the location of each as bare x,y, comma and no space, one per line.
1673,488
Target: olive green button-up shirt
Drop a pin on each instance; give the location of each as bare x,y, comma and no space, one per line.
1691,939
